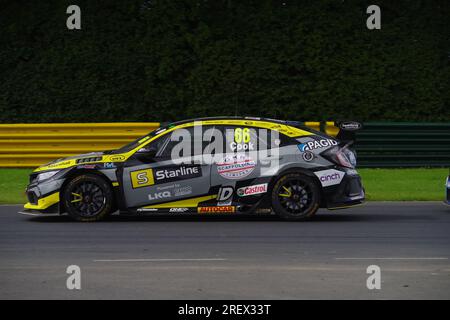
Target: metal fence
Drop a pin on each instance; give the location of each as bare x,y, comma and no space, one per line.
31,145
377,144
397,144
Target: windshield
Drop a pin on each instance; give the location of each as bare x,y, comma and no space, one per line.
134,144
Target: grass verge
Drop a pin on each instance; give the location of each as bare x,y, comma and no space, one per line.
380,184
419,184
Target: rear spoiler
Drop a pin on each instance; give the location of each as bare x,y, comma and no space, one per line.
347,130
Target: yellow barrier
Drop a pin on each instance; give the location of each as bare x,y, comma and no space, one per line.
31,145
331,129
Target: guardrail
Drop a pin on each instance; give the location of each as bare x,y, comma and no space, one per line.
397,144
31,145
377,144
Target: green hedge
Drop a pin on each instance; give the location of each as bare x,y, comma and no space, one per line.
161,60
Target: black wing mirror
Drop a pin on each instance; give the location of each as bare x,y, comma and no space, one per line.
146,154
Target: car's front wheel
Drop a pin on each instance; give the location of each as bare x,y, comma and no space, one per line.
88,197
295,196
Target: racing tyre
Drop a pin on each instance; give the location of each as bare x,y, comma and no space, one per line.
295,197
88,197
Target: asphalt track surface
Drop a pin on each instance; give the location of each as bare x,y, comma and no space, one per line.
231,257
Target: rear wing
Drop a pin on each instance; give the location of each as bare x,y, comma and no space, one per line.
347,130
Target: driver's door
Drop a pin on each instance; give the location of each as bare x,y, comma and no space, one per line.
163,179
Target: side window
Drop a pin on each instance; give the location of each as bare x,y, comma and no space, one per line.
183,142
241,138
269,139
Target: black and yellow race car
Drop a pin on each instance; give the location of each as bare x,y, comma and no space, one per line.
217,165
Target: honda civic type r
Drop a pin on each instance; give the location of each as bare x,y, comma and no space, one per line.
205,166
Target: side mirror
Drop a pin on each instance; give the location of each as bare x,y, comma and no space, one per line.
146,154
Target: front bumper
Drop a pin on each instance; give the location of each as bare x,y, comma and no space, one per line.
44,197
350,192
37,213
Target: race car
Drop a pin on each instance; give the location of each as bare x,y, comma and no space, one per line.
221,165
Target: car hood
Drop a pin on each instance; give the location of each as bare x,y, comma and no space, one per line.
86,158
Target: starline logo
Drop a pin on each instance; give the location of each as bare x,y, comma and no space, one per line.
330,177
251,190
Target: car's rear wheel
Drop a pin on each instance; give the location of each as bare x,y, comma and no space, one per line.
88,197
295,196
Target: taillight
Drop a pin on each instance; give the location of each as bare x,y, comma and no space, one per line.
341,156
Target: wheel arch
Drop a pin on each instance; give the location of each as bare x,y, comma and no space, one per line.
298,170
77,172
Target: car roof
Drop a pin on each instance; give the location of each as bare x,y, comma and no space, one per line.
285,122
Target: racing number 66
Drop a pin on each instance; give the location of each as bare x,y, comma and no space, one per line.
242,135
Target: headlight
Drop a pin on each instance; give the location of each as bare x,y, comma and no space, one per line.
46,175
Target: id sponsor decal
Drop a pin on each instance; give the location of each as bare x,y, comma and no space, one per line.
317,144
236,166
225,193
251,190
219,209
330,177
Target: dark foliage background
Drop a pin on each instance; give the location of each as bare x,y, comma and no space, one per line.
159,60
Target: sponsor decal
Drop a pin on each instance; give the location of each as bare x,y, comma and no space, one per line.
182,191
109,165
330,177
148,177
87,166
236,166
117,158
142,178
317,144
159,195
143,139
168,174
251,190
350,125
308,156
178,210
148,209
160,131
241,140
225,193
57,164
219,209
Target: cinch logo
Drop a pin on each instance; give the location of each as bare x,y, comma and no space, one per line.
333,176
251,190
330,177
220,209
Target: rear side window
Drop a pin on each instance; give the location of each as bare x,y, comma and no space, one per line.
242,138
